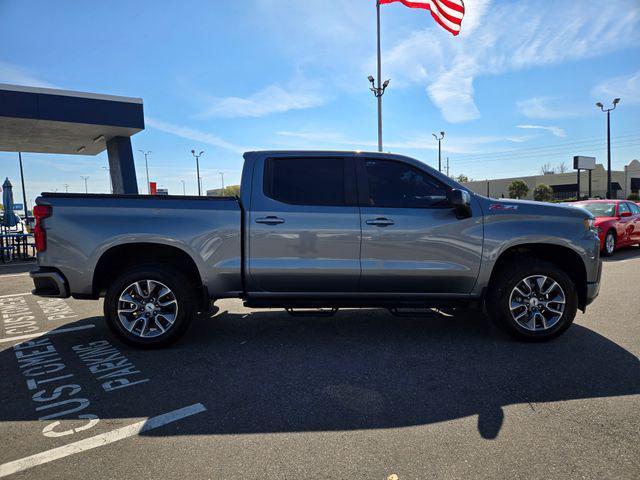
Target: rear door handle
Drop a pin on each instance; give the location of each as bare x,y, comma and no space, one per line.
270,220
380,222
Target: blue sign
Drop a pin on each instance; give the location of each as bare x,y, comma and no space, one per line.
18,206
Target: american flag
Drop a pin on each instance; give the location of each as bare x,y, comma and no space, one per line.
448,13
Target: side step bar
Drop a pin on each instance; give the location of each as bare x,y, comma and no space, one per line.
312,312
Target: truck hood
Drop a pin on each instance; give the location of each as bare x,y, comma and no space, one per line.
529,207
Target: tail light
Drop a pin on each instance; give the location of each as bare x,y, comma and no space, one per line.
40,212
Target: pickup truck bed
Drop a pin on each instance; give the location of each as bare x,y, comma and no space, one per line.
201,231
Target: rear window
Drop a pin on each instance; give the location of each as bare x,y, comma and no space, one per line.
305,181
634,208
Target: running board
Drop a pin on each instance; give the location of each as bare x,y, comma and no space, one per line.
312,312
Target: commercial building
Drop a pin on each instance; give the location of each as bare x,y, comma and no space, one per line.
565,185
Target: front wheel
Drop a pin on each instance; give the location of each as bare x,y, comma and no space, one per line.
149,306
532,300
609,244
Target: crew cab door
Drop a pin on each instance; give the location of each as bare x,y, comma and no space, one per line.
304,225
412,241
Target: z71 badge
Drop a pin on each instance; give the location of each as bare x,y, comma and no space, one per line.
502,206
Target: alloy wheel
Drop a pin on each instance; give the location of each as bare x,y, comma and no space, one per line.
537,303
147,308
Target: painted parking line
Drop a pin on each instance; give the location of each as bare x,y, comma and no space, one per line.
15,295
99,440
46,332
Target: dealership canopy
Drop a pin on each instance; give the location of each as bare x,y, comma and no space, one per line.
45,120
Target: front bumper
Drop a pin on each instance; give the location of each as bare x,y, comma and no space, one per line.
593,288
49,282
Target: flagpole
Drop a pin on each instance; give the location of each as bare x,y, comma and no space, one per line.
379,80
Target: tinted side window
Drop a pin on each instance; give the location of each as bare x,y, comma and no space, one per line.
305,181
396,184
622,207
634,208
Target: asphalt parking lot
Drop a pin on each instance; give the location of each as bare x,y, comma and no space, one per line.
260,394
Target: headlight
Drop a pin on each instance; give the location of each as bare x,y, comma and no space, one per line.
589,224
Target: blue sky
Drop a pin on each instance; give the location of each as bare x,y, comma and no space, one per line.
224,77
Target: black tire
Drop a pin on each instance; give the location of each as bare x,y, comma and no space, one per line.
605,251
508,277
183,293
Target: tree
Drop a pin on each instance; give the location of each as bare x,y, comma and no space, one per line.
546,169
634,196
543,193
462,178
518,189
562,168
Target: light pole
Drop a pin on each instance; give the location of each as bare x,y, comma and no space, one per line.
222,180
146,166
24,192
108,170
184,188
66,188
439,149
608,112
86,189
378,92
197,157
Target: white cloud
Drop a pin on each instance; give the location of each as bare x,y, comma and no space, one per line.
270,100
336,140
16,75
506,37
557,131
626,87
193,134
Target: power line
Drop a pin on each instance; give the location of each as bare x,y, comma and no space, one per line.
576,144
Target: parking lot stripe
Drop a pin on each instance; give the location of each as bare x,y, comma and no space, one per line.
15,295
99,440
46,332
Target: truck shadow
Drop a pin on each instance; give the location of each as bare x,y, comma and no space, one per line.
268,372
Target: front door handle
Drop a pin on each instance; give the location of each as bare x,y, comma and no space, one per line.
270,220
380,222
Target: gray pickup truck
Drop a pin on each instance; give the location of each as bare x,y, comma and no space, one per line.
319,230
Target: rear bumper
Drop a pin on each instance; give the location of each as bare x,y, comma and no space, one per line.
49,282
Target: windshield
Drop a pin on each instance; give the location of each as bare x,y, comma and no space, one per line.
599,209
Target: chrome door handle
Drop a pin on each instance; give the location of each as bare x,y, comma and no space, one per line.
270,220
380,222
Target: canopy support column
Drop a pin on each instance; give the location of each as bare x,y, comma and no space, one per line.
122,166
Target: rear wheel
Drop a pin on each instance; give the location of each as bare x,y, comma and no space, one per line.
609,244
533,300
150,306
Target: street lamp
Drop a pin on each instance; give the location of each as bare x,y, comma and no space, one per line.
86,189
146,166
197,157
439,139
222,179
66,188
378,92
108,170
608,111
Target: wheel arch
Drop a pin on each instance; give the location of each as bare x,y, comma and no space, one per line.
562,256
118,258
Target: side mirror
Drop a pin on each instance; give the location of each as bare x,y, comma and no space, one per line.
460,200
625,214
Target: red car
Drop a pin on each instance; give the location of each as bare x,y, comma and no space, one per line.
617,221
